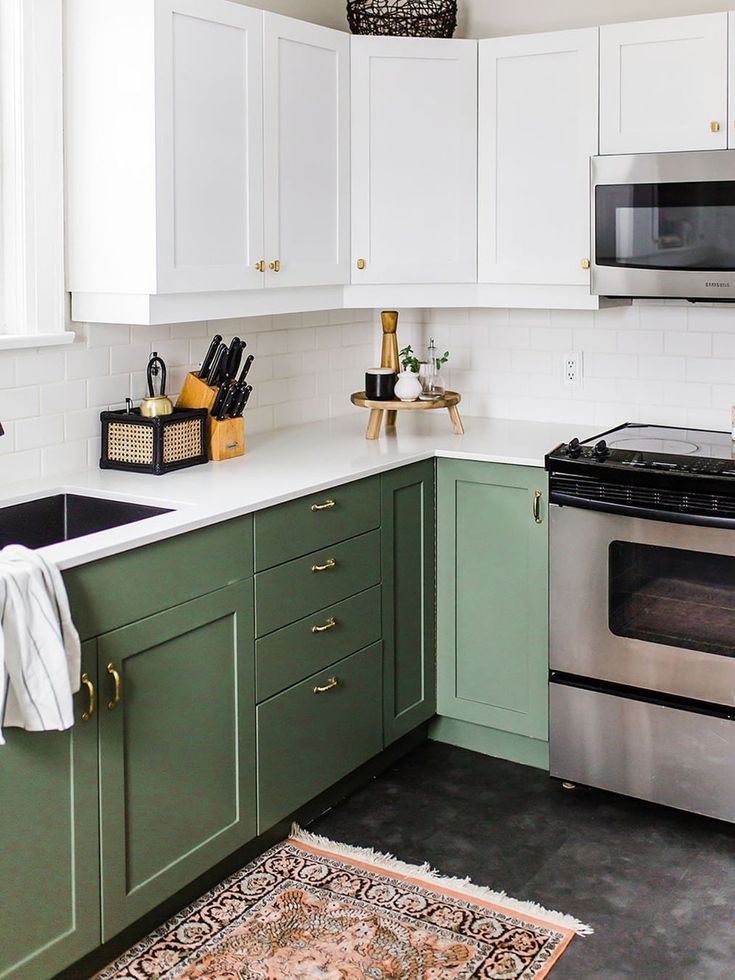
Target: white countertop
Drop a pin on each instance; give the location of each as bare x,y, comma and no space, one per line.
282,465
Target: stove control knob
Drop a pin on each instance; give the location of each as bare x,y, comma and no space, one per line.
601,450
574,449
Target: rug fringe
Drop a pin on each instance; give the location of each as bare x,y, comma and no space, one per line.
425,872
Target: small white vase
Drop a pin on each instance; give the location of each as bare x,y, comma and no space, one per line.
408,386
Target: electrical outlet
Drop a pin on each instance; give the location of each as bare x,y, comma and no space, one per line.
572,369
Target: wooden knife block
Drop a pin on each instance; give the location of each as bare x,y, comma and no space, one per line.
225,439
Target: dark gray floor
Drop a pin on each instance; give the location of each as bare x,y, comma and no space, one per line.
658,886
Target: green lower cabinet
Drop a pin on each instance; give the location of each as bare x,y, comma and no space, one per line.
318,731
177,753
408,561
49,844
492,606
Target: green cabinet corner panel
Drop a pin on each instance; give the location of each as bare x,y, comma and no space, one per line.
250,684
408,556
492,609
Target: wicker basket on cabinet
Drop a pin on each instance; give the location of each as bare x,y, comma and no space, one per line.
403,18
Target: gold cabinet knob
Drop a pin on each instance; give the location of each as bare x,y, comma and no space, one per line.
275,266
260,266
714,126
585,263
361,263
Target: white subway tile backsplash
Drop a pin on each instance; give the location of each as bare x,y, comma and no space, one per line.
662,368
50,400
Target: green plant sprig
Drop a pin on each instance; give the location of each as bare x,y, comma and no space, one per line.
409,362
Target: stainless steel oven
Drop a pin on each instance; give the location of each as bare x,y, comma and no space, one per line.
642,616
663,225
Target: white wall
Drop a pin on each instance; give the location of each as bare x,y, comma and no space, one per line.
496,18
330,13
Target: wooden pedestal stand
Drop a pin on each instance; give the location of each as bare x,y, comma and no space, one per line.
389,359
226,439
378,409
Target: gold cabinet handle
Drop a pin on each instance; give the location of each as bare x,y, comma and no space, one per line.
329,686
537,507
87,683
327,505
329,625
275,266
117,694
585,263
329,563
714,127
260,266
361,263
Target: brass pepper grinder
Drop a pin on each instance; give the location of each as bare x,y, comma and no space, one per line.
389,353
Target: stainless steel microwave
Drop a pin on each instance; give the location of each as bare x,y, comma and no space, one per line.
663,225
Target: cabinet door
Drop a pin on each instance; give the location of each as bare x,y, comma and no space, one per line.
307,177
209,145
538,130
49,844
663,85
492,596
177,754
414,160
409,639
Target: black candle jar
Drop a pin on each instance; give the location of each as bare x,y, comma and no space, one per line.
380,384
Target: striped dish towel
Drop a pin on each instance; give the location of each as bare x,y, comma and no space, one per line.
40,653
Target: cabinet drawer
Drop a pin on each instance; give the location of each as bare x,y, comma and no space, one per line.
296,589
316,521
309,740
292,653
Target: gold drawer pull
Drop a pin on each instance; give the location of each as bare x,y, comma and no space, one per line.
714,127
329,686
537,507
117,695
329,625
329,563
327,505
86,682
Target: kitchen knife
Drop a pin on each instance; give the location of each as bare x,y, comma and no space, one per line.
242,401
215,371
219,400
228,403
209,357
245,370
233,358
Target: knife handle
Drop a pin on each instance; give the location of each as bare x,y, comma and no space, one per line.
220,399
227,405
212,377
245,369
209,357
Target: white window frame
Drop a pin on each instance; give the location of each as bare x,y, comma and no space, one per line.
31,175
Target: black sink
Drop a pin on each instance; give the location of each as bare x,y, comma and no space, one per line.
63,516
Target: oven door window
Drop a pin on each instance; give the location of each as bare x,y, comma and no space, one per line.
683,226
678,598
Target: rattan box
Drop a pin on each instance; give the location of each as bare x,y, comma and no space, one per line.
160,445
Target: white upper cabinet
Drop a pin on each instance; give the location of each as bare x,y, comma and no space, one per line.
414,160
184,197
663,85
307,175
208,68
538,129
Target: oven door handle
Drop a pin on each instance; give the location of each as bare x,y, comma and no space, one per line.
644,513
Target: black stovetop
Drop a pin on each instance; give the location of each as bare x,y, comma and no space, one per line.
655,449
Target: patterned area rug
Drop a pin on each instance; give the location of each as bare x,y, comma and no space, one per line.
309,908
